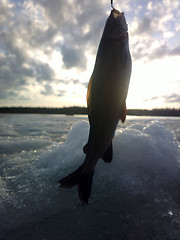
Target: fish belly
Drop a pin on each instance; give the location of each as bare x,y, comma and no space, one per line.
108,91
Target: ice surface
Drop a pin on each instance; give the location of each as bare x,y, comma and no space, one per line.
137,196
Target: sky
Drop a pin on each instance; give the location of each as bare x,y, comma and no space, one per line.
48,51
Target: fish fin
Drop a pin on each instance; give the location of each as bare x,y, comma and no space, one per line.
71,180
84,187
84,182
85,148
123,113
88,97
108,154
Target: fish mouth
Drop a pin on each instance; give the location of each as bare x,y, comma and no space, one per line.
116,13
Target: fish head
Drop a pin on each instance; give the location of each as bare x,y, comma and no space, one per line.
116,26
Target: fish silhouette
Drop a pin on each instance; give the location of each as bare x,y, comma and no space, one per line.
106,101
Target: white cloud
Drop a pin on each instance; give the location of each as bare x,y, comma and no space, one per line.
45,45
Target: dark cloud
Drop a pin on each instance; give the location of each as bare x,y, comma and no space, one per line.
31,30
164,51
145,25
73,57
85,84
172,98
42,71
48,90
16,64
60,93
15,72
62,81
33,27
152,99
175,51
152,53
75,81
79,23
155,32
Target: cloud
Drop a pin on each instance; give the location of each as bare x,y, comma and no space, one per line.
17,72
73,57
32,31
153,31
168,99
175,51
60,93
79,23
19,42
29,31
164,51
173,98
144,25
48,90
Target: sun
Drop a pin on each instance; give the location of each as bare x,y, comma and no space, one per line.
152,80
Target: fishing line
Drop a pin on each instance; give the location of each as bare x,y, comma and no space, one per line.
112,3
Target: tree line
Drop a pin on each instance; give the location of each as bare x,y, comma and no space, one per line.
83,110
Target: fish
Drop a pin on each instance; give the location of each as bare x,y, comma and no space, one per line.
106,101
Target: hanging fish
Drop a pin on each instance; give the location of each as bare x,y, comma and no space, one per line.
106,101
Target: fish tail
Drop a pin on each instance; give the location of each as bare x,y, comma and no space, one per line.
82,180
84,187
71,180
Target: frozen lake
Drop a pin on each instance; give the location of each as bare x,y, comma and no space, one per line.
137,196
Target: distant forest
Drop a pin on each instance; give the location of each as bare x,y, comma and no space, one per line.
83,110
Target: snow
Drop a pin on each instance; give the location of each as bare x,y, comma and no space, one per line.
137,196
